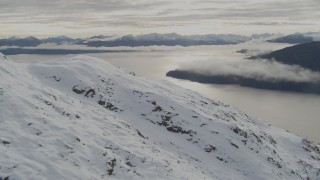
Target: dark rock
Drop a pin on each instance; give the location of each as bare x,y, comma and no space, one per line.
4,142
234,145
56,79
158,108
112,165
78,91
101,102
165,118
177,129
221,159
257,138
111,107
129,164
139,133
5,178
271,160
90,93
208,148
240,132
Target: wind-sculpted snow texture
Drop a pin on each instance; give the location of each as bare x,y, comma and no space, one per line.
82,118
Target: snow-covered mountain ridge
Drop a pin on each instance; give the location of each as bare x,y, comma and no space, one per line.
81,118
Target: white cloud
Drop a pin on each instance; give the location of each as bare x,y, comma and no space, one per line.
258,69
142,16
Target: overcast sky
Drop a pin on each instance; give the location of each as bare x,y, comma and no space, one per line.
91,17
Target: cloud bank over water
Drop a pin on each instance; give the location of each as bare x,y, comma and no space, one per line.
257,69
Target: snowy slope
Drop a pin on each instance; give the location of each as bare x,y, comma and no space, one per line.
82,118
2,57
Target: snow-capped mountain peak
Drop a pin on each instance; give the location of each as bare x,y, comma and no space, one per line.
81,118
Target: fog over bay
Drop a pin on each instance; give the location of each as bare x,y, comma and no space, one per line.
257,69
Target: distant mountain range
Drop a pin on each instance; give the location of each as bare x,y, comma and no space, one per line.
293,39
171,39
297,38
15,51
60,40
306,55
153,39
34,42
22,42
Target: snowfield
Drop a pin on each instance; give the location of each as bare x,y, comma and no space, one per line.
81,118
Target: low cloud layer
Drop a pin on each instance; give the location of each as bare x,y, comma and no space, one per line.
257,69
